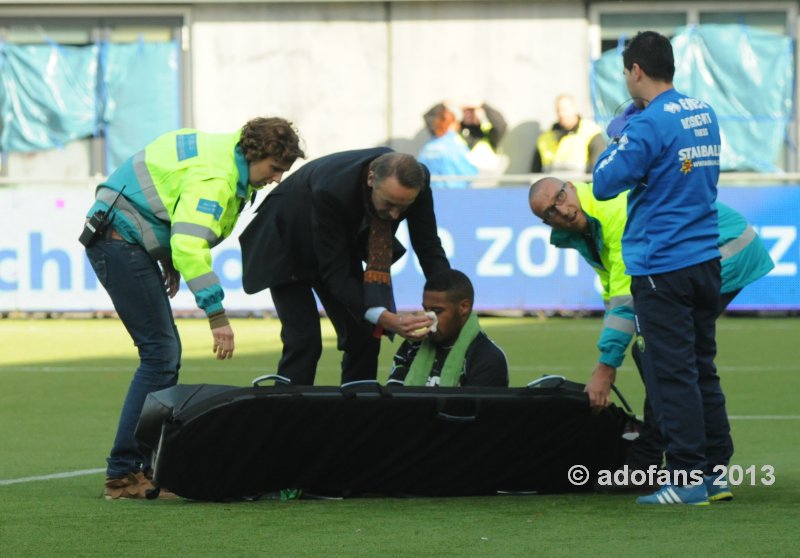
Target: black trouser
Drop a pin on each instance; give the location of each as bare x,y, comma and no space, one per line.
676,316
648,449
302,337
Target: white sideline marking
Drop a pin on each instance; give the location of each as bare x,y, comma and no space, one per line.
53,476
764,417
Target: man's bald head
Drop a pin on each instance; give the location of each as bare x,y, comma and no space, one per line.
537,186
556,203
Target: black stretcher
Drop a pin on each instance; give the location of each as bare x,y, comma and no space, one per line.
215,442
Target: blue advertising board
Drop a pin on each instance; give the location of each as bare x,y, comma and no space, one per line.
491,235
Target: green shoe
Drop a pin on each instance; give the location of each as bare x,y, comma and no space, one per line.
717,488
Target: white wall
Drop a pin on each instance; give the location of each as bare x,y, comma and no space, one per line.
353,75
323,66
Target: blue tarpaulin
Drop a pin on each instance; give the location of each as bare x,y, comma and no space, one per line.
51,94
47,95
745,74
141,89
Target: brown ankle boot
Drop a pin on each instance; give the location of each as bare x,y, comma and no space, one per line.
133,486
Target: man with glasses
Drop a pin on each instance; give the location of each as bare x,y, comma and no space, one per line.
312,234
595,229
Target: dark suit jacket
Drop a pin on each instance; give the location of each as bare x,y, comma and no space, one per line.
313,226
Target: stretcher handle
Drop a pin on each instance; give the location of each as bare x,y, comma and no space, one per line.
548,381
350,389
463,416
356,383
623,400
456,418
278,379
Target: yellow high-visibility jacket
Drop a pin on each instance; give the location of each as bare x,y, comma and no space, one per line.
570,152
181,196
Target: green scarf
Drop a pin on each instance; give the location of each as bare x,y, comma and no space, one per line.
451,371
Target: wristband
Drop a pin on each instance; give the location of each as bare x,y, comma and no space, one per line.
218,319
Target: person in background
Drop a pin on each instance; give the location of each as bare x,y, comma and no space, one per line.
573,144
481,122
169,204
456,352
446,153
483,128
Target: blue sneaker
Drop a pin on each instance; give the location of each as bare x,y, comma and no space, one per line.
691,495
717,488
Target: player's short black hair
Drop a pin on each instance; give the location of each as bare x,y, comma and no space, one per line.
453,282
653,53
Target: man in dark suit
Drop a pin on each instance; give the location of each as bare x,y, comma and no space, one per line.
312,234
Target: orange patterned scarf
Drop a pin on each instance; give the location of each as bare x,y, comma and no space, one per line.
377,277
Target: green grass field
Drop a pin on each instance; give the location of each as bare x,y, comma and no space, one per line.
62,384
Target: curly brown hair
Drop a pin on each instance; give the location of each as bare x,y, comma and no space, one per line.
270,137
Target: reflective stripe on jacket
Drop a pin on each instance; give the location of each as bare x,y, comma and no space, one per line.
744,260
606,224
744,256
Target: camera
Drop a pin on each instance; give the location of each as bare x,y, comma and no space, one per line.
94,228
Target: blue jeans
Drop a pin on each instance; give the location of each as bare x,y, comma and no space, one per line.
134,283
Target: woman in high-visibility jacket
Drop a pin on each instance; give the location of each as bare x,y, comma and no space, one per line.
170,204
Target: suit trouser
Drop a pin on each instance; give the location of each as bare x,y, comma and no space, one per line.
302,337
649,448
676,316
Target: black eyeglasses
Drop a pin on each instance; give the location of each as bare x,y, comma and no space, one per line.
560,198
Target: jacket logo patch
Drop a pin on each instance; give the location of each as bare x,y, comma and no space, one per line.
686,166
211,207
186,145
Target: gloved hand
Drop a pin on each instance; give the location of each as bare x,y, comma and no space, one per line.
614,129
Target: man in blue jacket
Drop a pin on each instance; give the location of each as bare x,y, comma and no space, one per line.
668,156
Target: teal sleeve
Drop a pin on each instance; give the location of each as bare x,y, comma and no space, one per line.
209,299
618,330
